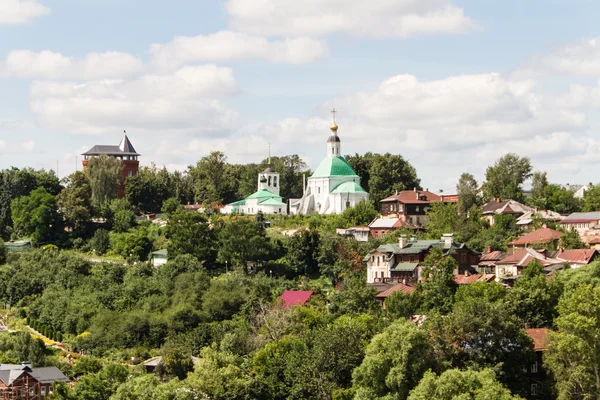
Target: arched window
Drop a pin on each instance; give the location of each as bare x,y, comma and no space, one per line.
274,181
269,181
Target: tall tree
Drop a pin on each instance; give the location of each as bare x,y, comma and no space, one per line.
539,183
437,290
104,175
505,178
190,233
74,202
591,199
36,216
573,354
240,241
468,192
213,179
362,167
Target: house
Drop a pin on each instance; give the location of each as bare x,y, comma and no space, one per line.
587,224
291,298
488,260
123,152
526,220
334,186
381,227
503,207
25,382
511,267
358,233
410,206
467,278
539,381
159,258
18,245
578,190
540,238
577,257
401,287
398,262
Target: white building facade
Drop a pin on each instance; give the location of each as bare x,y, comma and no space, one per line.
266,199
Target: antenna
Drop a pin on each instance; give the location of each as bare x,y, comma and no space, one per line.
269,154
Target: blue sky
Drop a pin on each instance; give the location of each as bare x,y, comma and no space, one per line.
450,85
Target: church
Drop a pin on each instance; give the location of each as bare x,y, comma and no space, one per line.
334,186
266,199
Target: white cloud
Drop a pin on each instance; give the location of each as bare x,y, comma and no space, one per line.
578,58
372,18
228,45
184,102
28,145
21,11
50,65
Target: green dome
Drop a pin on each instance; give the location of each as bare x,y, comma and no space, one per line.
334,166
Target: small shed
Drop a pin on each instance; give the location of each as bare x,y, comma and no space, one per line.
159,258
294,298
18,245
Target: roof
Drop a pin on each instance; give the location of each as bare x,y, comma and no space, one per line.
333,138
414,197
401,287
160,253
295,297
273,201
405,267
468,279
268,170
540,338
10,372
419,246
262,194
333,166
388,223
582,217
539,236
523,257
348,187
48,375
529,216
498,206
125,148
577,256
492,256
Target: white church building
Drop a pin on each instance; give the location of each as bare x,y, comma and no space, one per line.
266,199
333,187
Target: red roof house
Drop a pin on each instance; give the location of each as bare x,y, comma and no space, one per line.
401,287
577,257
295,297
538,237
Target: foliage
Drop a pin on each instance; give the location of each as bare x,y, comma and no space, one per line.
455,384
240,241
570,239
591,199
302,251
104,175
36,216
133,245
190,233
74,202
505,178
361,214
468,193
3,252
149,189
437,290
100,242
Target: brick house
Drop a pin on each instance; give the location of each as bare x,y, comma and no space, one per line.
511,267
382,227
400,262
410,206
539,381
22,382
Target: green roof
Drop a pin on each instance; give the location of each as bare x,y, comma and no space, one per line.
333,166
272,202
263,194
238,203
348,187
405,267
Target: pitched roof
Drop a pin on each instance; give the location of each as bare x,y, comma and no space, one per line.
492,256
539,236
497,206
415,197
468,279
577,256
125,148
274,201
333,166
401,287
384,223
262,194
48,375
522,258
540,338
294,297
528,217
405,267
579,217
348,187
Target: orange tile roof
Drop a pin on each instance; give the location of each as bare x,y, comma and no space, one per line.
401,287
539,236
466,280
492,256
410,197
577,256
539,336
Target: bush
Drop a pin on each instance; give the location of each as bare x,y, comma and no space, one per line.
100,242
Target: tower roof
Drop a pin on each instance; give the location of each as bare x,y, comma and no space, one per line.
333,166
125,148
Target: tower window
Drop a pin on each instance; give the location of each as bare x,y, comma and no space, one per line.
269,181
274,181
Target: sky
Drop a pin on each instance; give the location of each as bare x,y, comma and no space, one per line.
451,85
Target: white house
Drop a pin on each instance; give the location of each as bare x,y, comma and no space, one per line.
333,187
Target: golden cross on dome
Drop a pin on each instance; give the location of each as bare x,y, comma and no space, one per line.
333,112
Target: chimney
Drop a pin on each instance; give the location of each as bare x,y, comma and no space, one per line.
413,238
417,193
497,199
402,241
415,189
489,249
447,239
26,364
396,192
404,281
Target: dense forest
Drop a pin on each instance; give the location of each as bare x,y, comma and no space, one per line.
212,313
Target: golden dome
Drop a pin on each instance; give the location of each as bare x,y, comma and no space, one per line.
334,127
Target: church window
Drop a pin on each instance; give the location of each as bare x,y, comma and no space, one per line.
269,181
274,181
319,190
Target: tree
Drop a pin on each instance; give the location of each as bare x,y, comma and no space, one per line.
104,175
394,363
290,168
240,241
437,290
573,355
561,200
213,179
3,252
123,220
133,245
539,183
505,178
441,218
171,206
148,189
36,216
570,239
591,199
100,242
74,202
302,251
468,193
457,384
362,213
189,233
354,297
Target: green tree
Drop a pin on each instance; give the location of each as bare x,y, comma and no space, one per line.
441,218
354,297
505,178
302,252
100,242
570,239
539,183
36,216
573,355
361,214
3,252
171,206
133,245
468,193
591,199
457,384
213,179
240,241
104,175
394,363
561,200
438,287
74,202
290,168
189,233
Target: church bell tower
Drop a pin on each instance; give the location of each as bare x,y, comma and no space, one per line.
334,145
269,178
